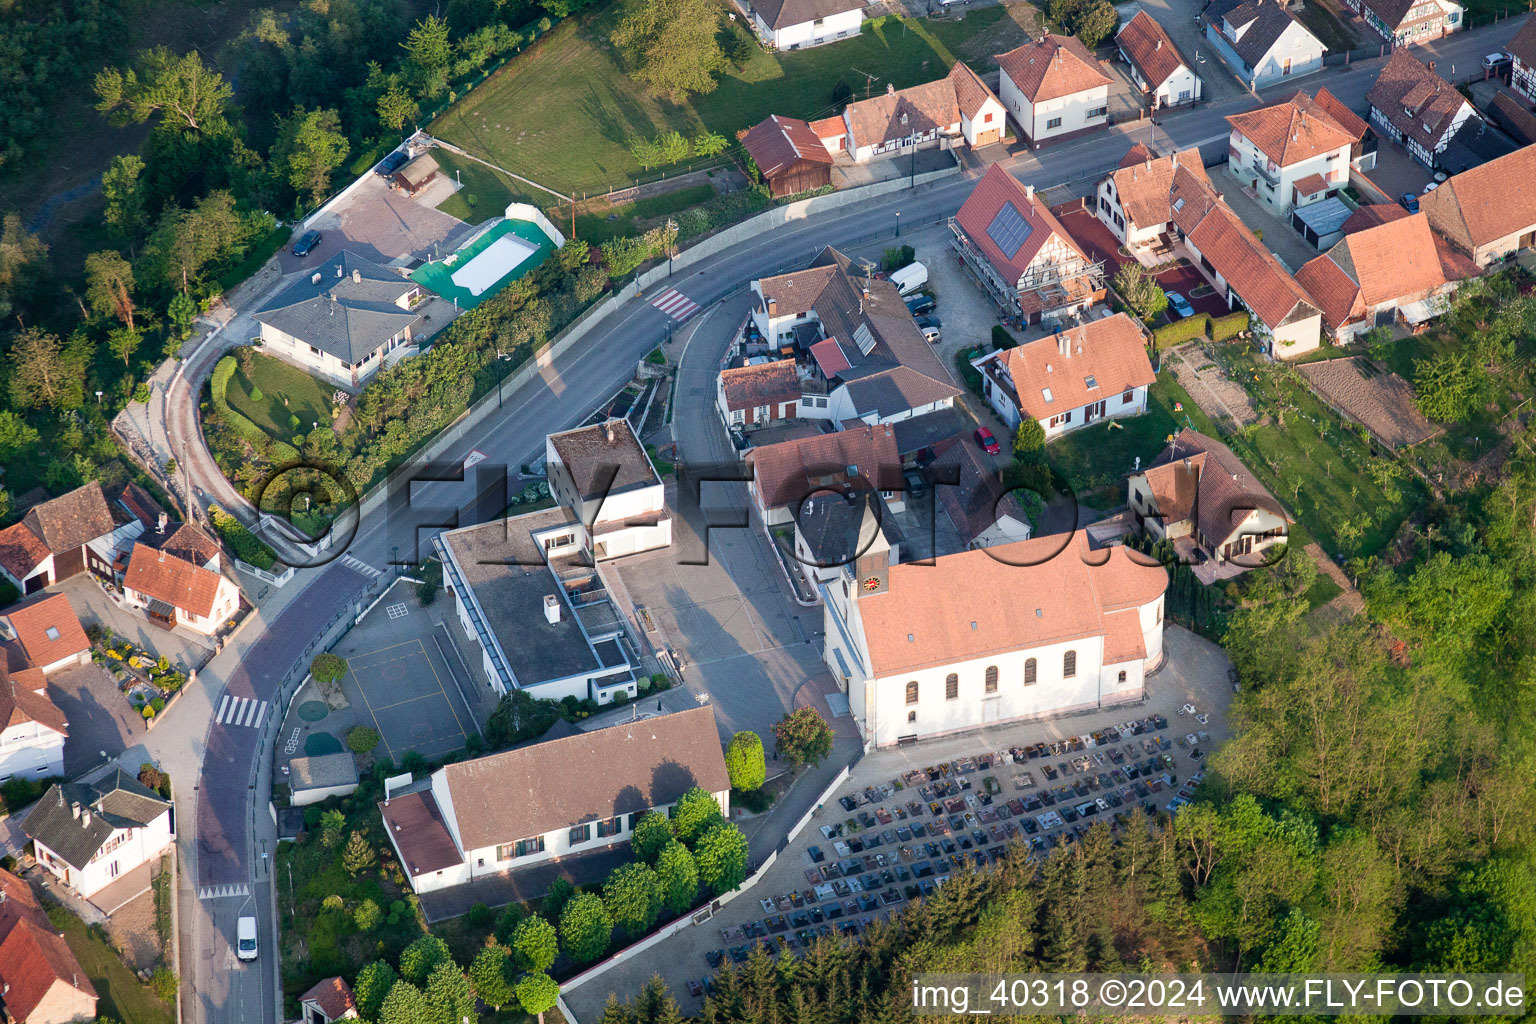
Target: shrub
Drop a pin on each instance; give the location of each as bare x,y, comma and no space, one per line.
968,373
897,257
560,892
1229,326
1142,293
367,916
803,736
256,394
744,761
247,546
163,981
361,739
1180,331
479,917
1029,442
1001,338
332,902
755,800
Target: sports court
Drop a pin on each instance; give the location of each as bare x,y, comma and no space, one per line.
503,253
404,692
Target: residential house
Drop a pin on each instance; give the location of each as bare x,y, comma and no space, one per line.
758,394
32,728
1291,153
552,799
89,834
1412,105
788,155
890,396
793,24
1262,41
41,982
970,490
603,475
1200,496
958,108
328,1001
44,633
786,474
1403,22
1242,270
1071,379
1132,200
991,635
175,592
52,541
141,519
345,320
1378,275
1488,212
1019,252
1157,67
1053,87
1522,52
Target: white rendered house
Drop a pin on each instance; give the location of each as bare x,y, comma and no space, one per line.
604,477
1289,153
1053,87
88,836
795,24
174,592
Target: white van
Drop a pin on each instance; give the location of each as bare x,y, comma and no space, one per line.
909,278
245,938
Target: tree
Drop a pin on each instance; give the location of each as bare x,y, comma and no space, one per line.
42,374
1096,23
418,960
707,143
803,736
109,285
695,812
367,915
184,94
327,667
674,147
744,761
373,985
537,993
1142,293
721,854
651,834
429,52
396,108
1029,442
488,973
450,995
678,875
16,434
182,313
585,928
560,892
646,152
123,342
632,897
362,739
671,44
1449,386
534,944
21,261
185,242
332,824
405,1004
358,855
310,146
124,195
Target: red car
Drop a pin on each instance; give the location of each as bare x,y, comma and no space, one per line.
987,441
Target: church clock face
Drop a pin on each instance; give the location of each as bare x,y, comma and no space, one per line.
872,583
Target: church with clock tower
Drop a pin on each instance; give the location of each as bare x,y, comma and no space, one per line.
1032,629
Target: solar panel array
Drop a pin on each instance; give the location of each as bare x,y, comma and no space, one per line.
1008,230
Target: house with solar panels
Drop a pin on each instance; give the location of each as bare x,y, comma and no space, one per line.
1021,255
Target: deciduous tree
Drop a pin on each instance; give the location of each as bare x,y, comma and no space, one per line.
450,996
421,957
109,285
585,928
488,973
372,987
537,994
310,146
42,375
185,95
534,944
803,736
744,761
695,812
632,897
721,854
678,875
671,45
123,192
650,836
405,1004
1141,292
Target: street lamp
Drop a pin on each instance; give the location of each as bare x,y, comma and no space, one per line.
98,399
671,240
898,223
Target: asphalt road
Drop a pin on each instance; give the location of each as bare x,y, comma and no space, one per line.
231,823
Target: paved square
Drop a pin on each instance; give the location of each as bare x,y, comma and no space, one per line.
404,694
398,611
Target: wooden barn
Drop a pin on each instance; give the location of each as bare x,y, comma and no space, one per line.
788,154
417,174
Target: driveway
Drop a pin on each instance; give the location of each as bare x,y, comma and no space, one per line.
93,606
102,724
375,221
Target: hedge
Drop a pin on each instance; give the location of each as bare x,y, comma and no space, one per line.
1001,338
1229,326
1180,331
248,547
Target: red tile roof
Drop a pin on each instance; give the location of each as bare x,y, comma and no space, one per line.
20,705
1312,184
333,996
830,357
1411,96
1352,123
971,93
1150,48
48,629
1372,214
33,960
68,521
1198,477
1028,594
21,550
1392,262
747,387
1052,67
1292,130
899,113
1486,203
1142,186
790,471
829,127
776,143
1523,46
167,578
1100,360
996,189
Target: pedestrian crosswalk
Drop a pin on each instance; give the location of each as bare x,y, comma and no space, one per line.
243,711
675,304
359,566
214,892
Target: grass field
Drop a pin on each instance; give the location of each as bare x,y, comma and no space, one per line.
121,994
599,221
285,391
564,112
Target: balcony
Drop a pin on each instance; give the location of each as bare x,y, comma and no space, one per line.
1265,175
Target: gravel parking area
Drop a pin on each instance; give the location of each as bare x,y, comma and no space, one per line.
908,818
382,225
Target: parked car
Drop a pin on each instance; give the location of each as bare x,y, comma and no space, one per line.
1496,59
1430,188
909,278
1180,305
245,938
1410,202
931,320
920,304
392,163
931,335
306,243
987,442
916,485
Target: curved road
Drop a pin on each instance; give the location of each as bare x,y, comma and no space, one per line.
233,830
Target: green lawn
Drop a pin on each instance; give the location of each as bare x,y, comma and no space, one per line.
564,112
121,994
285,391
634,218
1326,26
486,192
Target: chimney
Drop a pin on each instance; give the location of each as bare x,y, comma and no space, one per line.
357,276
74,808
608,430
551,609
1029,192
1064,345
773,307
1431,66
314,278
338,270
85,818
161,523
1159,44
